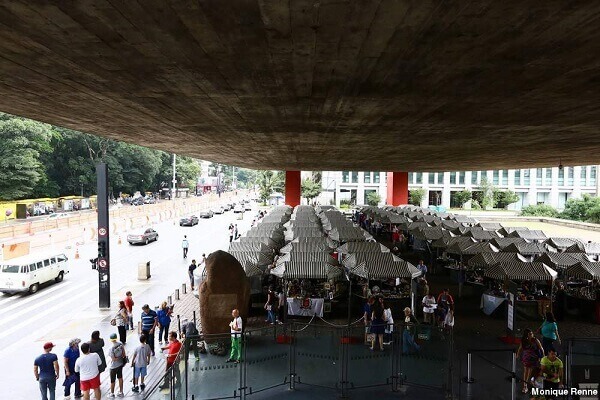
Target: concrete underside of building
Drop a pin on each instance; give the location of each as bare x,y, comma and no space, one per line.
313,85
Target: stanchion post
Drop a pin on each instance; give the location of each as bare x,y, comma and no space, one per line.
183,288
514,377
169,300
469,378
176,294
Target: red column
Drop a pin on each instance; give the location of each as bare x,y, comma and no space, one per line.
397,188
292,188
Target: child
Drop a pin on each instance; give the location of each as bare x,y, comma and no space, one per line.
537,381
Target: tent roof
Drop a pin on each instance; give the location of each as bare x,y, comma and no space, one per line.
584,270
306,270
506,241
362,247
530,235
490,226
485,260
478,233
558,260
430,233
527,249
562,242
380,266
521,271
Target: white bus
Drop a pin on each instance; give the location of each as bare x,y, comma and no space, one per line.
27,273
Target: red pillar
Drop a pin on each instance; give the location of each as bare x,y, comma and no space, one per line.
292,188
397,188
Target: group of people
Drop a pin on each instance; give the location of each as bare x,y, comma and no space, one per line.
542,368
192,267
234,234
275,306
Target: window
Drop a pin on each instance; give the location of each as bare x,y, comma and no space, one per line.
39,265
46,263
13,269
496,180
548,180
53,261
593,176
431,178
31,267
461,178
367,176
561,177
411,177
583,176
419,177
504,177
453,178
474,179
517,177
538,176
571,176
61,258
527,177
345,176
24,269
376,177
354,177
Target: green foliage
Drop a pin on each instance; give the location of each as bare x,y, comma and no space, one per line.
503,198
475,205
310,189
269,182
487,193
593,214
578,209
415,196
541,210
373,198
345,203
461,197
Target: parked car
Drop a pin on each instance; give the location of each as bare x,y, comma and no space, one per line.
218,210
138,201
227,207
207,214
248,206
58,215
238,208
188,221
149,200
146,237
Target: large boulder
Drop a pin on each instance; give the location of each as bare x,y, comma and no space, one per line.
224,288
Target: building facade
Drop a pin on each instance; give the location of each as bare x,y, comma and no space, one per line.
551,186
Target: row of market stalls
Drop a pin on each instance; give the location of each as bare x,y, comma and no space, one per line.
488,255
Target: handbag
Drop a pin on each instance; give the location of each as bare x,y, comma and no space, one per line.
113,322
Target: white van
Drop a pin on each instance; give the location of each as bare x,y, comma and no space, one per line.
26,274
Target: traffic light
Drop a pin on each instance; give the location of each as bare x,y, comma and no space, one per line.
101,249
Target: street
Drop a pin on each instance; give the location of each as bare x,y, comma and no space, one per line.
69,309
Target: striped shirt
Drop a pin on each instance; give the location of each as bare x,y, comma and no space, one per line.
148,319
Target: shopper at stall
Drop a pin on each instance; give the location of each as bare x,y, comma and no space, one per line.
377,325
428,308
389,321
549,331
529,353
367,314
408,339
271,306
423,268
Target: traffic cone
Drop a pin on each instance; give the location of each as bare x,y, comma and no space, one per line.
77,253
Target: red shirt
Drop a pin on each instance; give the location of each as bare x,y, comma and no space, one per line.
128,303
173,349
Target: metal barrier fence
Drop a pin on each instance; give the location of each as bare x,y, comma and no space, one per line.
334,358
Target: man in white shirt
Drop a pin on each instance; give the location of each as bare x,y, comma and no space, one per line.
89,374
185,245
428,308
236,337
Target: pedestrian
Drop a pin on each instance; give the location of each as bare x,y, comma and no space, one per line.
121,320
529,353
236,233
172,351
395,235
97,346
560,301
164,321
552,368
449,318
377,325
87,368
140,361
47,371
185,245
129,305
462,277
428,308
70,357
423,268
281,306
231,231
408,339
236,337
389,321
191,270
118,358
445,299
190,333
367,315
149,322
549,331
270,305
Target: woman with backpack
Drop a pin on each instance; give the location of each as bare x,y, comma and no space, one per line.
164,321
118,358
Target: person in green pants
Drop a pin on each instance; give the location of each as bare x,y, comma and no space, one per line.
236,337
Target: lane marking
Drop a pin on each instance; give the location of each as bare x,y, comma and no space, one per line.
40,295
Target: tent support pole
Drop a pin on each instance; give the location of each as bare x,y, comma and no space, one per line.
349,300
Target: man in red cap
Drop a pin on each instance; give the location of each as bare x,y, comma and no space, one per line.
46,370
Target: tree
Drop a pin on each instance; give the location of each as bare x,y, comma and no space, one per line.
487,193
23,142
577,209
269,182
415,196
462,197
503,198
373,198
541,210
310,189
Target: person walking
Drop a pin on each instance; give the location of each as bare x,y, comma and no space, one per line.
428,309
149,322
270,305
70,357
191,270
97,346
87,368
172,351
164,321
185,245
549,331
377,325
529,353
140,361
118,358
552,368
389,321
47,371
281,306
129,305
230,233
191,342
367,315
236,233
423,268
408,339
121,320
236,337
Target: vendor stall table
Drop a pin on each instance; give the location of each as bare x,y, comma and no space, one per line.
305,307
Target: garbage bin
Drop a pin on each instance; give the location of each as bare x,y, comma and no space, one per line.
144,271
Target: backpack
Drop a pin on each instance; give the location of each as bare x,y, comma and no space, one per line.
123,354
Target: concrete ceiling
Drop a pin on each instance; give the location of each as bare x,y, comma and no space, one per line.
365,85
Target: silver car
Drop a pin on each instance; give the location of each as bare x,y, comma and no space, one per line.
146,237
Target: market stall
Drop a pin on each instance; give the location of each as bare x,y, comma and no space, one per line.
582,289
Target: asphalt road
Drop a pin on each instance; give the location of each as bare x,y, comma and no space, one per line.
69,309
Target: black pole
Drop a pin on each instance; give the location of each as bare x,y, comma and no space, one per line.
349,300
103,262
